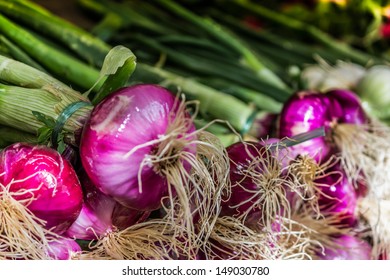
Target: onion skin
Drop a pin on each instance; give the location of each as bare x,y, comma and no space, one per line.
47,177
338,196
63,249
129,117
101,214
351,248
303,112
308,110
88,226
352,110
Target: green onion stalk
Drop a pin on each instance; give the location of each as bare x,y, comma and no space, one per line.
216,30
19,54
59,63
43,98
213,103
40,19
207,64
142,15
344,50
292,50
199,48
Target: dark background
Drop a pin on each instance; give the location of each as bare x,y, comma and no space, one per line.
69,10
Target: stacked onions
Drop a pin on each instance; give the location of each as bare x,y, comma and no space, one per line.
141,153
140,150
361,143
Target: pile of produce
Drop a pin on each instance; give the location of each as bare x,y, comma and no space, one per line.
193,130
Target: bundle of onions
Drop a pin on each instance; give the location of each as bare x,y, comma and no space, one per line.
361,142
40,198
350,133
262,179
140,147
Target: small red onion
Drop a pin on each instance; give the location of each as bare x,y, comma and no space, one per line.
100,215
260,177
42,175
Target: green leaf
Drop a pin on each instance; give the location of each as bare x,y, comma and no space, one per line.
48,121
61,144
115,59
118,66
44,134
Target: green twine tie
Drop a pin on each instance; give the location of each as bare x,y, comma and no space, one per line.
63,117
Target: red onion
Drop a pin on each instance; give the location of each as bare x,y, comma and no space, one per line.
303,112
337,196
307,110
64,249
261,179
135,145
352,110
42,177
101,215
258,184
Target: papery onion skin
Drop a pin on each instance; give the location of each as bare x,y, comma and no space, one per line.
63,249
350,248
129,117
48,178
